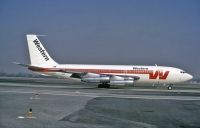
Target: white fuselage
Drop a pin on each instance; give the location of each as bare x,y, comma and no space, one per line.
146,74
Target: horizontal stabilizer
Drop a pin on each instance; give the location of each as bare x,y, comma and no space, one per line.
23,65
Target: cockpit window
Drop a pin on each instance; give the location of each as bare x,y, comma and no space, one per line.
182,72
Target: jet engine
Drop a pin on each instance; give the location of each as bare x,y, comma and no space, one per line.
95,78
100,79
122,82
118,80
105,79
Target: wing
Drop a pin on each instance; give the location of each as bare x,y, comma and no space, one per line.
90,77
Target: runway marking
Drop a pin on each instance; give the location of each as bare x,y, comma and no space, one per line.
23,117
94,95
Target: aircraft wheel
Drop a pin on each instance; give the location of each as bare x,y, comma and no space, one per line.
100,86
169,87
107,85
103,86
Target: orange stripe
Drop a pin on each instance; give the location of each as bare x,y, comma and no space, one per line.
97,70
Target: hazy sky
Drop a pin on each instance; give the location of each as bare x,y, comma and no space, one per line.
146,32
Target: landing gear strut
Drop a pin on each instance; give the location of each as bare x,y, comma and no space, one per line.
169,87
104,85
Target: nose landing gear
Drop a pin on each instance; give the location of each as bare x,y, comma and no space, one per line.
169,87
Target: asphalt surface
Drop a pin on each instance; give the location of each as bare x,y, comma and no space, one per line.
69,104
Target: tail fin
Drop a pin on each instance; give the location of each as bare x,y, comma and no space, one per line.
38,54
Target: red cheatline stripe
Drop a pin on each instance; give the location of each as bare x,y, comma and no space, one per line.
92,70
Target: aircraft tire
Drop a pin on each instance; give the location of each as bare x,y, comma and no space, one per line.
169,87
103,86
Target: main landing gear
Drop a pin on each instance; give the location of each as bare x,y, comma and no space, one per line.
104,85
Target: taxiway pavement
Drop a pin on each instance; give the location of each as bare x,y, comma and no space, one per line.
57,104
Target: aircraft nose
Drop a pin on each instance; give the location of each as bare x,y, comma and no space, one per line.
189,76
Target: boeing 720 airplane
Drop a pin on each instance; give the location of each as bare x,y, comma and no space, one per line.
103,75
